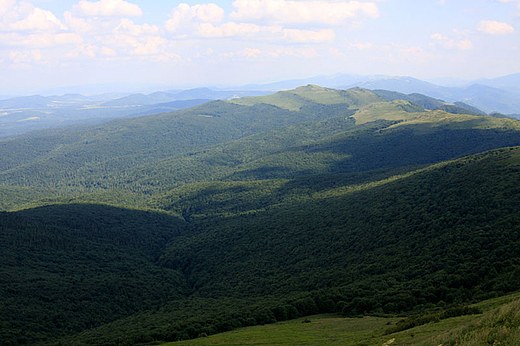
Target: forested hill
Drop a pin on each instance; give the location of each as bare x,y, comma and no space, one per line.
309,130
254,210
256,252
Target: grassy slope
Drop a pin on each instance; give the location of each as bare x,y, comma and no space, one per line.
306,96
499,323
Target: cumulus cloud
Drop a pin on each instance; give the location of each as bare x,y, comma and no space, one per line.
362,46
334,52
86,50
184,17
39,19
77,24
255,53
128,26
495,28
271,33
168,56
297,12
26,17
6,5
449,43
18,57
131,45
40,40
308,36
107,51
513,1
232,29
107,8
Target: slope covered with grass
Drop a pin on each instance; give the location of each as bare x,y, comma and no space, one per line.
474,329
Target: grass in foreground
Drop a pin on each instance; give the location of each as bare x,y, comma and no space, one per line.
498,325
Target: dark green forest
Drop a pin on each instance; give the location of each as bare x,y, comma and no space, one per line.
255,210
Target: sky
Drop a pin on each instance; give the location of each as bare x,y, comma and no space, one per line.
46,44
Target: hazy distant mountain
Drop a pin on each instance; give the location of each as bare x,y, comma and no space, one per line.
106,88
333,81
140,100
510,82
486,98
35,101
448,81
406,85
499,94
206,93
191,94
39,102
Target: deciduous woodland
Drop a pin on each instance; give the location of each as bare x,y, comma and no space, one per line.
255,210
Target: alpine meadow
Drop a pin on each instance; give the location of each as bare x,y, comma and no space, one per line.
259,172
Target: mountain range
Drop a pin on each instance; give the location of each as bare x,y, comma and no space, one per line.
253,210
28,113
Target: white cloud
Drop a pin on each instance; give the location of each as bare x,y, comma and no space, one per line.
308,36
168,56
465,45
336,53
414,54
40,40
495,28
514,1
26,17
297,12
130,45
128,26
232,29
6,5
255,53
449,43
39,20
18,57
84,50
185,18
77,24
362,46
271,33
107,51
107,8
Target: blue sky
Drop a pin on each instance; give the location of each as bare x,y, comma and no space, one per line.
45,44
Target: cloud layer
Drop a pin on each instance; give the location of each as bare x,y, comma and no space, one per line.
215,35
495,28
296,12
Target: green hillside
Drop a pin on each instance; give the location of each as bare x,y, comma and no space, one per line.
347,132
67,268
305,97
473,329
252,211
406,242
